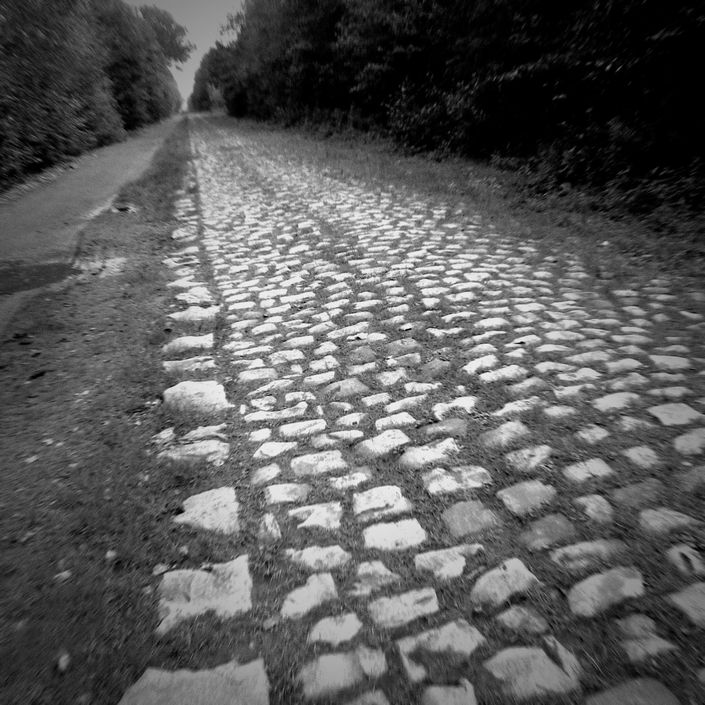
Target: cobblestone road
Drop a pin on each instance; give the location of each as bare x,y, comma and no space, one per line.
463,470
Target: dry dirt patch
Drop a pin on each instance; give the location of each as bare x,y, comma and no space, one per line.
80,378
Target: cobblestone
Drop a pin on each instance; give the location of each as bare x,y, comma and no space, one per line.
224,589
331,673
458,639
229,684
691,601
423,379
447,563
394,536
390,612
602,590
214,510
527,672
336,630
496,586
470,518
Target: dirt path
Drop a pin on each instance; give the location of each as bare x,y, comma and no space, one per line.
39,228
80,383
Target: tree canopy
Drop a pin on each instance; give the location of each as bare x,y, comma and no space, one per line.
170,36
598,87
76,74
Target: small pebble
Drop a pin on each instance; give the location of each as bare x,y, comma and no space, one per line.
63,576
63,661
270,623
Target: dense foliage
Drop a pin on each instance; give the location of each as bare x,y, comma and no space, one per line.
599,89
75,74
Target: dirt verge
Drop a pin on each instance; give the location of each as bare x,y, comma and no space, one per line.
80,375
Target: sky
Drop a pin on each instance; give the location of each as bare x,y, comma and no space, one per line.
202,19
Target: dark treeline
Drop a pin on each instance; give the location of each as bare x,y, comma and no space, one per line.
76,74
595,91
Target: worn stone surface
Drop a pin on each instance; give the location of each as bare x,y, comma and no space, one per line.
208,450
463,694
390,612
525,497
498,585
318,463
691,601
319,588
638,494
596,508
528,672
447,563
587,470
332,673
336,630
273,449
204,398
268,530
457,479
528,459
385,443
691,443
599,592
372,576
588,555
326,515
687,560
394,536
215,510
507,434
229,684
285,493
372,697
196,315
662,520
546,532
188,343
301,429
379,502
319,558
616,402
639,691
190,366
470,518
675,414
639,638
523,620
224,589
455,639
415,457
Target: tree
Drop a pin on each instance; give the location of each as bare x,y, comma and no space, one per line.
170,36
54,98
74,74
136,64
